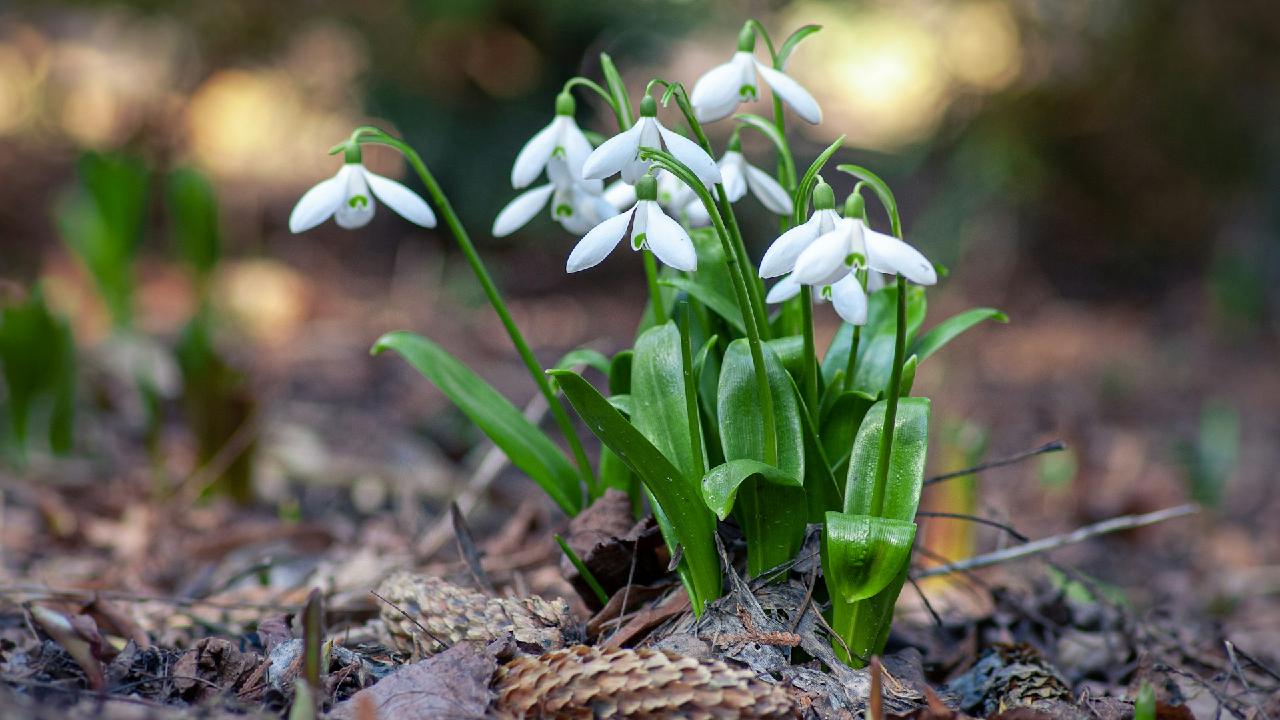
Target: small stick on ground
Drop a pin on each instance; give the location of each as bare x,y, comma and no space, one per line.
1054,446
875,704
411,619
467,549
1124,522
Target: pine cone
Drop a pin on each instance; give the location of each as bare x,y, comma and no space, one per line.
590,683
452,614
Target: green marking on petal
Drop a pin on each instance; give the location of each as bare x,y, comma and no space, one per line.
357,201
855,260
747,92
637,241
564,210
559,152
825,292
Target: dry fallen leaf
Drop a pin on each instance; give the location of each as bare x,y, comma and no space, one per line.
453,684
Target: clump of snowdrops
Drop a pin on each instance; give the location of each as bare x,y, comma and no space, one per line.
723,408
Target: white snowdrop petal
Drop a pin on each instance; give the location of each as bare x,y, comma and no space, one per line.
792,94
404,201
890,255
577,148
597,244
784,290
620,194
688,152
768,191
668,241
357,206
534,156
781,256
612,154
875,281
715,94
317,204
521,210
697,213
849,300
823,256
732,177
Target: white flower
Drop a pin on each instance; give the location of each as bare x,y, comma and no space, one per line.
577,205
562,138
844,291
852,243
740,175
621,153
674,196
648,227
781,256
718,93
348,197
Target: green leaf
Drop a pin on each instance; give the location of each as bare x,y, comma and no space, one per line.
864,625
583,571
765,127
37,353
789,45
193,214
875,348
680,500
584,356
790,351
906,462
613,472
863,554
720,484
840,425
773,517
882,191
617,88
947,330
908,378
722,305
804,188
821,490
657,397
623,403
526,446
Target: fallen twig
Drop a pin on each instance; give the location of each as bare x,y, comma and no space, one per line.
1054,446
1035,547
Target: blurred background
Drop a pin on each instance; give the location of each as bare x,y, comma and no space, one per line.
1106,173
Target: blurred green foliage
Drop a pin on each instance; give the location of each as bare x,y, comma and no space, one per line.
38,355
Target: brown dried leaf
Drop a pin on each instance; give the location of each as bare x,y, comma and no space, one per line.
607,538
591,683
453,684
212,666
79,636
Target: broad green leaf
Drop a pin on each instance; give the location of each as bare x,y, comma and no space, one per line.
37,353
947,330
840,425
620,373
680,500
720,484
861,554
864,625
622,402
790,351
821,490
906,462
723,305
908,378
772,517
657,397
593,359
193,214
789,45
875,348
525,445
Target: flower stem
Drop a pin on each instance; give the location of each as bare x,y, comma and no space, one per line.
851,365
655,293
810,352
690,387
495,299
891,402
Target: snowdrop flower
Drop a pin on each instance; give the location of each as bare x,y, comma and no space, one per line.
674,196
852,244
622,152
348,198
563,139
718,93
844,291
575,204
781,256
739,176
648,226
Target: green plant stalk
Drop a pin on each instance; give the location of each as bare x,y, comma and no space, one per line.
738,248
685,175
851,366
810,352
376,136
691,389
583,570
655,292
891,400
